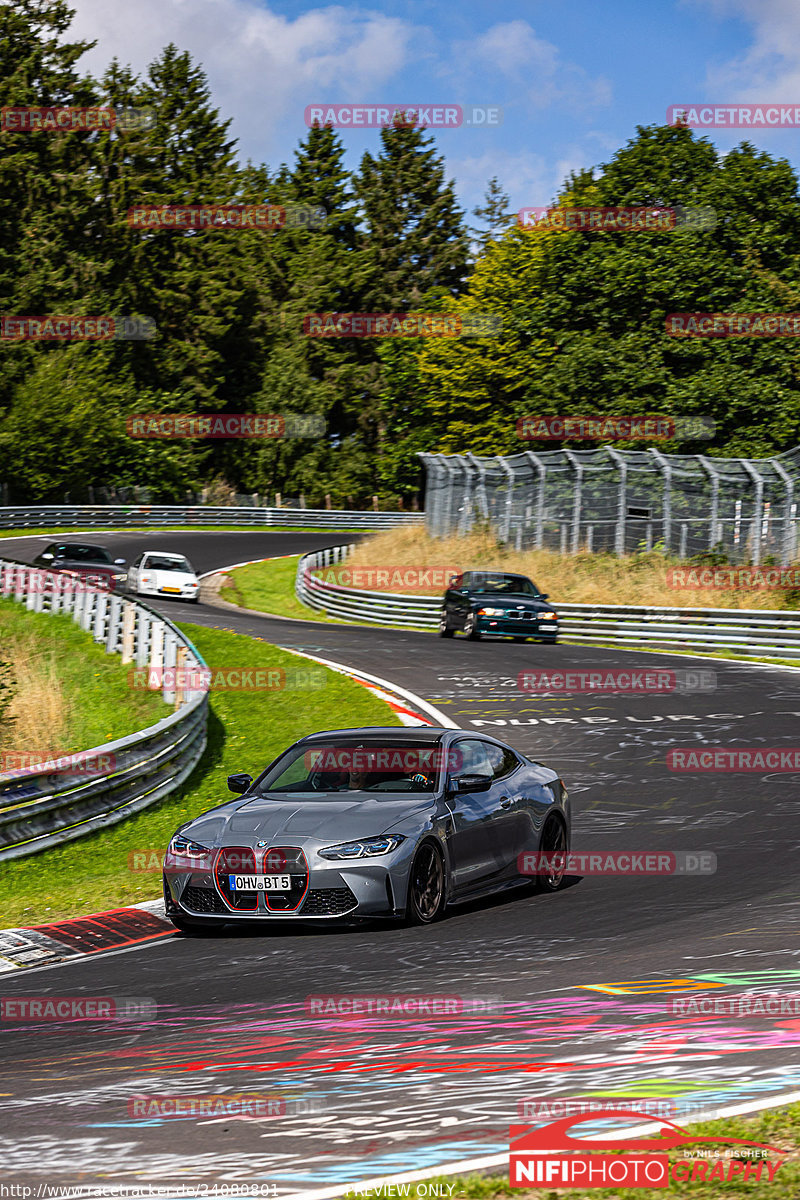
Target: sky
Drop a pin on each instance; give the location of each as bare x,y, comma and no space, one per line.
572,80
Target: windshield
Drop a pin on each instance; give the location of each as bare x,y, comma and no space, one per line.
386,768
514,585
168,564
83,553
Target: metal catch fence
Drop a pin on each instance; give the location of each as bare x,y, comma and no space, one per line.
620,501
47,804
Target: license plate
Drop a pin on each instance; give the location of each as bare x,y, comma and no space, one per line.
170,589
260,883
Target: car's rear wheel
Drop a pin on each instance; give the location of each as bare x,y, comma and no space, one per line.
553,841
471,628
426,890
444,628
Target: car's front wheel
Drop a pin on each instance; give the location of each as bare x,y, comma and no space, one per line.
444,628
471,628
426,886
553,842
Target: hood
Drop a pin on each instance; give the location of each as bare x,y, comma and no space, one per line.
508,600
338,819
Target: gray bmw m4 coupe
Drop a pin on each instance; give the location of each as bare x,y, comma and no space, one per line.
374,822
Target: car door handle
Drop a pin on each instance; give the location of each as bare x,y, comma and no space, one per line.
505,802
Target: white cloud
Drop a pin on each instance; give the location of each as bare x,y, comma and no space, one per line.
512,51
770,69
263,68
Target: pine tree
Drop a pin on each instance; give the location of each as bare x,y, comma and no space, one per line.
494,213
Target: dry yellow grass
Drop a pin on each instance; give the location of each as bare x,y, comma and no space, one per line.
34,720
568,579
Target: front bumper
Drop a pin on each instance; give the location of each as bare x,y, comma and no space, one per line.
359,888
518,627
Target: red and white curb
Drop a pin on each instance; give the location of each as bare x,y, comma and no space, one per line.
75,937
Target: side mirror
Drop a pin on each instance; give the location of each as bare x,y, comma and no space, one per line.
239,783
544,595
45,556
470,783
119,562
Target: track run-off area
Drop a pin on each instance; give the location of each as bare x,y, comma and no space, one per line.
581,982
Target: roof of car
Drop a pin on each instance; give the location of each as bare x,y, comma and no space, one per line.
379,733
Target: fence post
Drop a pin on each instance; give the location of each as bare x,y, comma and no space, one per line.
577,497
622,500
713,475
540,470
465,524
787,549
508,471
128,627
758,510
666,471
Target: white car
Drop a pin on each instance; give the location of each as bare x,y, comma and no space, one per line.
157,573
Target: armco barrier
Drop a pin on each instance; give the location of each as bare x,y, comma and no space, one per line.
58,516
43,806
750,633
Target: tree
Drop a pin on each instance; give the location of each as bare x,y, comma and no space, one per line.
493,213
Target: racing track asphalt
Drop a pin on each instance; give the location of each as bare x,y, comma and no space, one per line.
405,1093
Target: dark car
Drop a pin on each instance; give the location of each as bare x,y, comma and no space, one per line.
375,822
93,564
497,602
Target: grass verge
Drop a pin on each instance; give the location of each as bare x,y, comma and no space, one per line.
779,1128
69,695
246,730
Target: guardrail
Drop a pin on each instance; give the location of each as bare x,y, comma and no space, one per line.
56,516
46,805
750,633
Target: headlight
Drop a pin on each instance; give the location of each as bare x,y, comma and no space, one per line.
118,578
548,616
491,612
364,849
182,851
